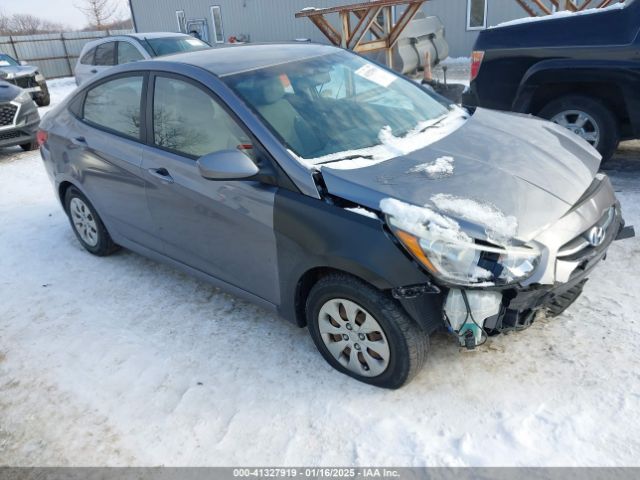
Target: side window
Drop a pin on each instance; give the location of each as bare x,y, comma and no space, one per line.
128,53
87,58
105,54
189,121
476,14
115,105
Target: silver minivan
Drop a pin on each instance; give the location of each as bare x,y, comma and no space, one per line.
104,53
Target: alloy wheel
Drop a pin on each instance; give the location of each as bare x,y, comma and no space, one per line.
83,221
354,337
580,123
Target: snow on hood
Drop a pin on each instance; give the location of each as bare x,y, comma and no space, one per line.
517,172
420,220
442,167
499,228
424,134
560,14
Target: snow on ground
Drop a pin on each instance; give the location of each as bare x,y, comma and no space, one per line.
123,361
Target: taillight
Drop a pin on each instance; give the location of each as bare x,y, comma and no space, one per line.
476,63
41,137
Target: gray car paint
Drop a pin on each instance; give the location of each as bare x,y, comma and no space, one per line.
191,203
529,168
8,91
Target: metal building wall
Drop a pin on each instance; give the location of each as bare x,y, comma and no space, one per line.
273,20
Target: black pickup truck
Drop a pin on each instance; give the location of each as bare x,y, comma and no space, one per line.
580,70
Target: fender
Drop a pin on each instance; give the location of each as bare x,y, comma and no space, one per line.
312,233
623,74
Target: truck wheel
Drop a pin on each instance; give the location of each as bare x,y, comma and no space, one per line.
44,99
364,333
588,118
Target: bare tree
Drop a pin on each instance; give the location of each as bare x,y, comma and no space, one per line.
4,24
27,24
98,12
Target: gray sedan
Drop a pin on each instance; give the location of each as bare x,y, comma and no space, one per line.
331,190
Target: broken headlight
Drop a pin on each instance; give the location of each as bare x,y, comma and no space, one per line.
467,262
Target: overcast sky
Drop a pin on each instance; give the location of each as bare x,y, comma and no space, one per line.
62,11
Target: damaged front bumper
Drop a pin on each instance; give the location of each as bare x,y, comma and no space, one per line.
514,308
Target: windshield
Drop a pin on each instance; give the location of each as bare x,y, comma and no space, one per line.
166,46
331,107
7,61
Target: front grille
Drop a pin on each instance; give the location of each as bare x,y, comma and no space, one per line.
7,114
9,135
25,82
581,246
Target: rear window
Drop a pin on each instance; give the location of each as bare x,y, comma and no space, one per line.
166,46
128,53
87,58
115,105
105,54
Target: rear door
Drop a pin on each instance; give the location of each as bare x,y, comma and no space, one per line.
222,228
127,52
105,57
104,144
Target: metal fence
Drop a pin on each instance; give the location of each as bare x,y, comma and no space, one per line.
54,53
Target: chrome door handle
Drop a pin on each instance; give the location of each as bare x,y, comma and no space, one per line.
79,141
162,174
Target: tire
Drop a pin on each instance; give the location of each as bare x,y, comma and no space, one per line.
29,147
603,118
87,225
44,99
401,345
564,301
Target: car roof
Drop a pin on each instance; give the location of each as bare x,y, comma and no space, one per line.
230,59
135,36
150,35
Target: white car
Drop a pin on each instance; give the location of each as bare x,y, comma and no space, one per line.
104,53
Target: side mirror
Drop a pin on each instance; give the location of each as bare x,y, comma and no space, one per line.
227,165
23,62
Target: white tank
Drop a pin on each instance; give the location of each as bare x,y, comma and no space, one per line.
483,304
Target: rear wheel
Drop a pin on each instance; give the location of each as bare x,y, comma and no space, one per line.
364,333
87,225
588,118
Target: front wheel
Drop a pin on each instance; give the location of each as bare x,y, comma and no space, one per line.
588,118
44,99
363,333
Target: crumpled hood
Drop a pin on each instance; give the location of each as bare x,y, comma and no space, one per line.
18,71
520,165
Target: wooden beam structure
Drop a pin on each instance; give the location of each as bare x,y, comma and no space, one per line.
352,35
547,6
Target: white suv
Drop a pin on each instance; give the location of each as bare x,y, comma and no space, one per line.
104,53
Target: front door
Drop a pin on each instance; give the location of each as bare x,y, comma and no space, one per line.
222,228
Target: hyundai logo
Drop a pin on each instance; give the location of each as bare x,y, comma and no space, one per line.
596,236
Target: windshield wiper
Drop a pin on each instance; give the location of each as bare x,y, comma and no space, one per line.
349,157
